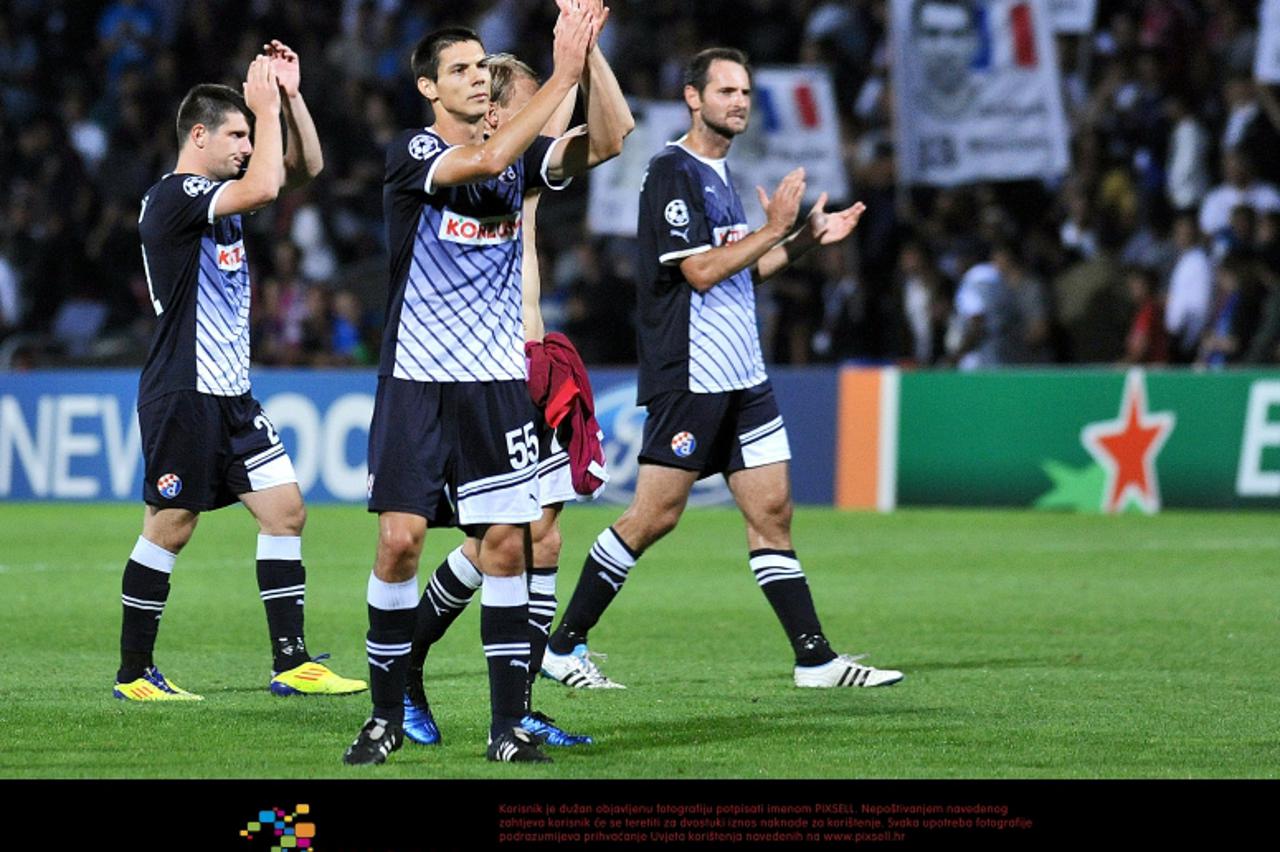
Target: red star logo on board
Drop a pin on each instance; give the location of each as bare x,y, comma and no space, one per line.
1127,447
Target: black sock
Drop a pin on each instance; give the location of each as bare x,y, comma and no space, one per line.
603,573
392,611
542,611
144,590
282,585
504,630
446,595
782,581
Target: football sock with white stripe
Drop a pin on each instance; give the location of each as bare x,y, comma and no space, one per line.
603,573
504,630
282,585
392,612
542,611
144,590
446,595
781,579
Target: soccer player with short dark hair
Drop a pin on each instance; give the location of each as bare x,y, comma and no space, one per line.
454,583
206,441
453,440
710,406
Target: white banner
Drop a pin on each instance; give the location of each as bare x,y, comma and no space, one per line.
793,123
976,92
1074,17
613,205
1266,67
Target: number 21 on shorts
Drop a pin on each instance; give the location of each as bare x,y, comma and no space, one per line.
262,422
522,446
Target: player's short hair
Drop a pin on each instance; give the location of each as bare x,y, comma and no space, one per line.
504,70
426,56
208,104
695,73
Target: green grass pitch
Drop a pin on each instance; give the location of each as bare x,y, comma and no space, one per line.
1035,646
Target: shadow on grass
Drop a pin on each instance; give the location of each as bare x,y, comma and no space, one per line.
909,668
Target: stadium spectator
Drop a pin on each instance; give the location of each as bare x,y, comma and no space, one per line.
87,136
596,307
1263,347
127,33
1239,186
1091,302
925,306
1232,41
285,310
1078,234
1234,315
266,330
347,329
1237,238
1190,287
1251,125
19,60
986,326
1187,166
1029,334
1147,342
10,296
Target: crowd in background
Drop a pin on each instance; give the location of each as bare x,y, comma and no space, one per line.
1161,245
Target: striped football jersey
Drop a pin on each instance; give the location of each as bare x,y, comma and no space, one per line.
454,312
700,342
198,279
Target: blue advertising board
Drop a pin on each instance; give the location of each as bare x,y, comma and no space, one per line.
73,434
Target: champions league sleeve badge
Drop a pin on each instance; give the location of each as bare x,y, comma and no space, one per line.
683,444
676,213
169,486
196,185
423,146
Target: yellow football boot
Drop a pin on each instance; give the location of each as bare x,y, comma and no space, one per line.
312,678
153,686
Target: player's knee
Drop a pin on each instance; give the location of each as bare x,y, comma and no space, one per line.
398,546
172,539
771,526
641,526
284,517
503,551
169,533
293,519
779,515
665,520
546,544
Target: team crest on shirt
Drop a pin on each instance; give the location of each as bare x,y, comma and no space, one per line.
423,146
196,185
508,175
169,486
677,213
683,444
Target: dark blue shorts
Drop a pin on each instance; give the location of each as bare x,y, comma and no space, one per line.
456,453
715,432
201,451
